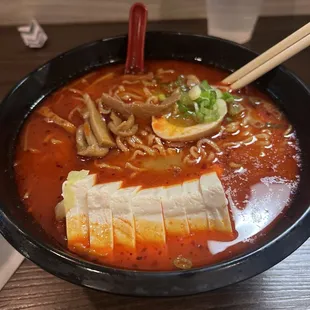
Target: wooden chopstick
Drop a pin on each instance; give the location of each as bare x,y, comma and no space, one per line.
272,63
273,51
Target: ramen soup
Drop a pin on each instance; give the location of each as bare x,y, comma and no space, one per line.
157,171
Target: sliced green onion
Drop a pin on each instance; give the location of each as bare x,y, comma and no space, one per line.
200,117
204,85
185,99
211,116
182,107
194,93
212,97
205,94
200,102
219,94
161,97
196,107
234,108
228,97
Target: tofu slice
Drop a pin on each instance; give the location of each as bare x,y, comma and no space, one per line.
100,217
174,214
194,206
148,215
75,201
216,203
122,217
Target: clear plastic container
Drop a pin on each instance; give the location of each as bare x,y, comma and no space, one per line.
233,19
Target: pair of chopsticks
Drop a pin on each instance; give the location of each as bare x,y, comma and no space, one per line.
277,54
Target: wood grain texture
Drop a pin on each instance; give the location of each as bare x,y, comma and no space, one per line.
285,286
13,12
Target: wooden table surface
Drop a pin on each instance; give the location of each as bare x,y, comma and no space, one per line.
285,286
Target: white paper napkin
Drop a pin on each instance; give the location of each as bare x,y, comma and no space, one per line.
33,34
9,261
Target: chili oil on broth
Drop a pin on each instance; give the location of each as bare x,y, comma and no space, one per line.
254,164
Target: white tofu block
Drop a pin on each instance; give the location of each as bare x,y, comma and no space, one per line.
123,220
216,203
147,210
174,214
77,212
194,206
100,217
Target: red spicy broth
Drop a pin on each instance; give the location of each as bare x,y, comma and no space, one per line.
259,175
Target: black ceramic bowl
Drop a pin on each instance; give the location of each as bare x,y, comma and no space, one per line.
28,238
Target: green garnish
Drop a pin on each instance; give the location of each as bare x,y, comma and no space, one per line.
228,97
161,97
182,107
185,99
204,85
234,108
200,103
179,83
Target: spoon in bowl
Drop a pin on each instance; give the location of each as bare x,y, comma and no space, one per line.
136,39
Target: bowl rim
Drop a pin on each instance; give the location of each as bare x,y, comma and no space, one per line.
298,227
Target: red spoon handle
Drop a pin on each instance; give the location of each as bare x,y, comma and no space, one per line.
136,38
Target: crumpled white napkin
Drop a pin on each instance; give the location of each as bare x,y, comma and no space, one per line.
10,260
33,34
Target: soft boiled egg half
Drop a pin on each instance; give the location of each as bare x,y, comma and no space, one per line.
168,131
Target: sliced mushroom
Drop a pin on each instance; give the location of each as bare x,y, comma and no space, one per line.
145,110
90,138
98,126
86,142
81,143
